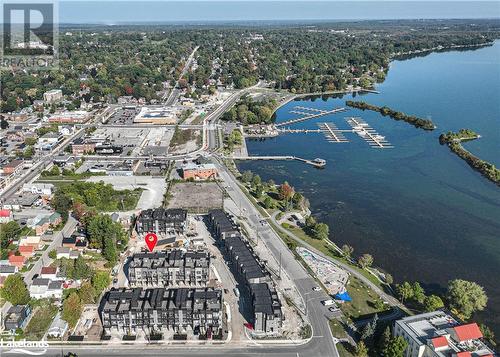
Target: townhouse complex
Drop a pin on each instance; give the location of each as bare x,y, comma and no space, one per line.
268,315
171,268
438,334
162,221
129,311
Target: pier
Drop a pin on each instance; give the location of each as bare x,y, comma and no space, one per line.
332,133
365,131
316,162
311,113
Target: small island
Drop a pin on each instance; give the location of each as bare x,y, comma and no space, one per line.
453,140
417,122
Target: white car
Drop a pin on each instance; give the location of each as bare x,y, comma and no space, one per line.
333,309
316,288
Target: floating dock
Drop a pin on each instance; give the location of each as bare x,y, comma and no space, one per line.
370,135
332,133
309,113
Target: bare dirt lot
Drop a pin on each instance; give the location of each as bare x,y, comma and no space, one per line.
195,197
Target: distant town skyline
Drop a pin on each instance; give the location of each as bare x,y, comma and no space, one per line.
118,12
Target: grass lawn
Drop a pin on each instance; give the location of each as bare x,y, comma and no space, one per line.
362,299
40,322
337,329
345,349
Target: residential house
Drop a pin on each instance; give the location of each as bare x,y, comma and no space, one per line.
42,288
5,215
6,270
31,241
58,327
17,261
26,250
17,317
49,273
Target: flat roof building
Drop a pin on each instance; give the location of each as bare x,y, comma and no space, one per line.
438,334
161,221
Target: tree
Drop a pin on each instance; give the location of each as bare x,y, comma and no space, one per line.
365,261
286,192
466,297
488,334
404,291
100,281
268,203
310,222
347,250
432,303
256,181
259,190
62,204
418,292
395,347
15,291
109,252
246,176
72,309
389,279
87,293
53,254
385,338
81,269
361,349
8,232
321,231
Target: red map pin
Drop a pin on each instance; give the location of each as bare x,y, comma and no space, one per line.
151,240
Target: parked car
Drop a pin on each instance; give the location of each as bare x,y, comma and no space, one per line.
316,288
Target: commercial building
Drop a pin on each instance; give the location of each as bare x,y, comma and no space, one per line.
81,147
268,315
74,117
172,268
162,221
198,172
438,334
52,96
38,188
156,115
12,167
129,311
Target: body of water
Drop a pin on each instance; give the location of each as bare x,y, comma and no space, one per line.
421,211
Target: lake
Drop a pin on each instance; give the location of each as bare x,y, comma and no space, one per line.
421,211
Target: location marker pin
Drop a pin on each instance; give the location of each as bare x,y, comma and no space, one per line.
151,240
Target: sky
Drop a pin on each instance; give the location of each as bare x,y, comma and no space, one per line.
115,12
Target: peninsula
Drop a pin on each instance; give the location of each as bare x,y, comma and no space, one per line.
417,122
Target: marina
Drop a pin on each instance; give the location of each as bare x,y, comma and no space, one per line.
370,135
307,114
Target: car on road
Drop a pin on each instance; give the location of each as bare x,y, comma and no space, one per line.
316,288
333,309
115,280
328,302
237,292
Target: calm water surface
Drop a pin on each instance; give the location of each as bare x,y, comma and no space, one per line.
422,212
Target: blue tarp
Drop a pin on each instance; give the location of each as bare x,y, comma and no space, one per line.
343,296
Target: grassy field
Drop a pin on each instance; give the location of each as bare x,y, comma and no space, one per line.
40,322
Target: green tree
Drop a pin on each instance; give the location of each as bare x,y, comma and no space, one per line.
432,303
81,269
246,176
109,252
100,281
321,231
488,334
259,191
361,350
404,291
256,181
268,202
15,291
72,309
87,293
347,250
62,204
388,278
8,231
396,347
53,254
365,261
466,297
418,292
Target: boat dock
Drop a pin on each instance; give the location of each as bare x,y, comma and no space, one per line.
370,135
316,162
332,133
309,113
